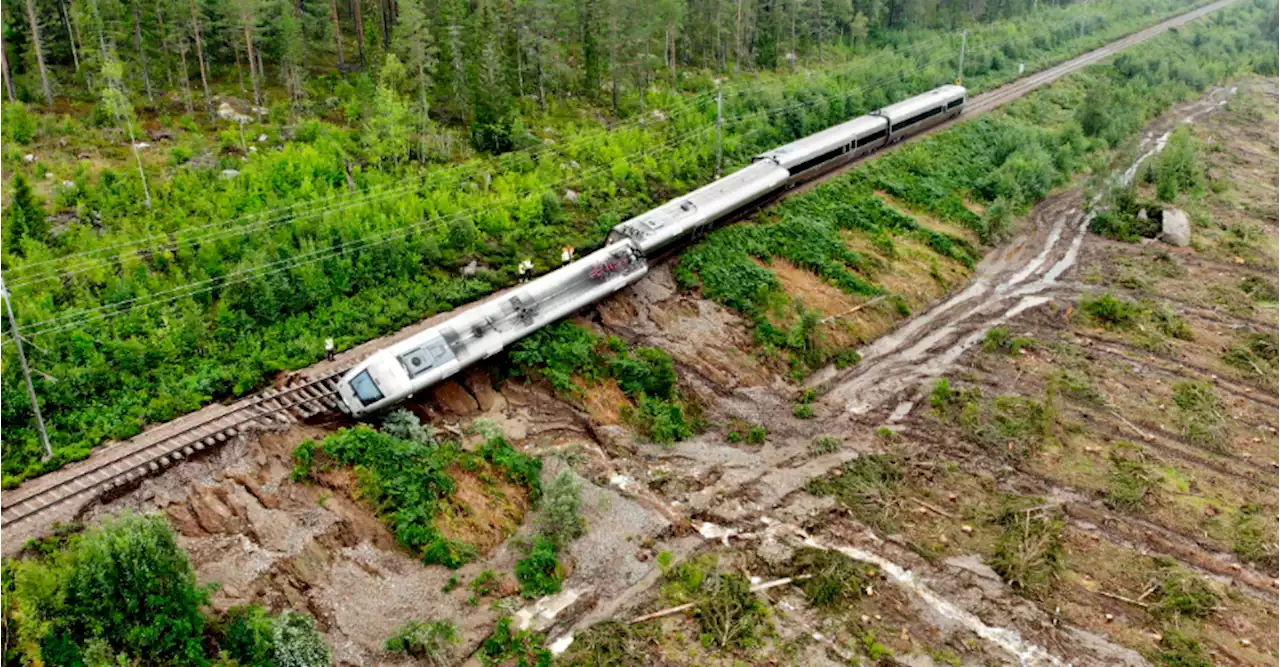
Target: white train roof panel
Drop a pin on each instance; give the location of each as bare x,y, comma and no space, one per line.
913,105
796,152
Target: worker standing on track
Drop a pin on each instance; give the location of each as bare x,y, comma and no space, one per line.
328,349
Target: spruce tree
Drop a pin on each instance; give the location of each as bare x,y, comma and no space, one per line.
25,217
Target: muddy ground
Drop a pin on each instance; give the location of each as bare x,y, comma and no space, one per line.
1036,427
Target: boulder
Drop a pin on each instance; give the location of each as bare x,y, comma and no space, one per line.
481,387
453,398
1175,228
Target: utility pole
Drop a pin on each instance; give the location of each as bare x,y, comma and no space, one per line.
964,42
26,372
719,129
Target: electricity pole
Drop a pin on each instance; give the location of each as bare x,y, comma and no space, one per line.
26,372
964,41
719,129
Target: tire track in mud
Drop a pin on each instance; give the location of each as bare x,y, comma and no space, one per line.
1023,275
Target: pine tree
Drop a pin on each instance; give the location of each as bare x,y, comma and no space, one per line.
492,112
117,104
386,132
767,34
25,217
413,45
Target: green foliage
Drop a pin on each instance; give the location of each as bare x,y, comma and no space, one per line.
1121,220
826,444
1131,483
1178,168
248,636
432,641
1256,353
24,219
407,482
1001,339
401,423
568,355
1029,554
835,579
92,591
1112,313
560,522
506,646
753,434
802,411
869,485
729,614
1180,649
1010,424
1200,413
540,573
154,363
20,125
484,585
1183,594
1259,288
1254,537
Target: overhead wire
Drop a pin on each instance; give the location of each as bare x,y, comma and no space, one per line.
228,228
72,320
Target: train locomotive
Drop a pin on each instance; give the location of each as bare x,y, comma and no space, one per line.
394,373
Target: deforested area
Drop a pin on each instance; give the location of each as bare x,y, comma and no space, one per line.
1002,395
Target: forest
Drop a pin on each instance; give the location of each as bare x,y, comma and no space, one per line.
198,195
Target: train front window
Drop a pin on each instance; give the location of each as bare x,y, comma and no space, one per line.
366,389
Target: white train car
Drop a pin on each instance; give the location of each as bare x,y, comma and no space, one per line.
917,114
679,217
833,146
392,374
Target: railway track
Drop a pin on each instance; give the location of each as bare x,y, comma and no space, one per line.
155,450
271,407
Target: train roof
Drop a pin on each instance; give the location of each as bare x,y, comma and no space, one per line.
913,105
690,203
796,152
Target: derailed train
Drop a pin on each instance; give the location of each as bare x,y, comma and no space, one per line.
397,371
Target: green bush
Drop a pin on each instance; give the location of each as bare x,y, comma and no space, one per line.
1029,555
407,482
506,646
432,641
561,522
1112,313
539,573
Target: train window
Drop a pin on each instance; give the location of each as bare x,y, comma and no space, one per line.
815,161
917,118
873,137
955,103
366,389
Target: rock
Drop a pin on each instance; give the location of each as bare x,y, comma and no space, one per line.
571,196
453,398
48,175
262,138
29,157
160,135
775,553
470,269
229,173
69,184
481,387
142,145
228,112
1175,228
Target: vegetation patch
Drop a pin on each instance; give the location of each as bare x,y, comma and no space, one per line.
84,603
507,646
1001,339
540,573
431,642
408,482
1010,424
1257,354
1200,414
835,580
1182,594
1131,481
870,486
1029,555
573,359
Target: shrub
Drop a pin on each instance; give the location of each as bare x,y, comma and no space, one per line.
297,642
1200,413
506,646
835,580
430,641
1179,649
539,573
661,420
1112,313
560,522
93,591
1000,339
1183,594
802,411
1131,483
1029,554
826,444
869,485
729,614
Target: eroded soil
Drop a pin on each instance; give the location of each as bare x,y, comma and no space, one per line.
1206,489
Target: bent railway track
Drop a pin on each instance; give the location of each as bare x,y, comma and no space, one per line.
59,495
270,407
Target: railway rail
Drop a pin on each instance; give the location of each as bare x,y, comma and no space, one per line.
271,407
121,465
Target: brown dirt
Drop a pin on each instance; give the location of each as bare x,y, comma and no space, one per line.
486,509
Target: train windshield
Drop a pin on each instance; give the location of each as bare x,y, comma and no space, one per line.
365,388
